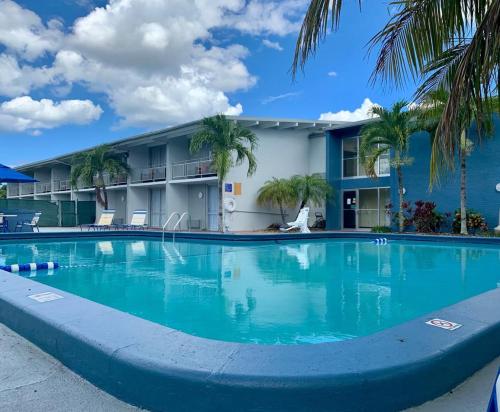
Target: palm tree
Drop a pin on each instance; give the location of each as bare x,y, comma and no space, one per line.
90,167
278,192
430,113
456,43
230,144
391,132
312,189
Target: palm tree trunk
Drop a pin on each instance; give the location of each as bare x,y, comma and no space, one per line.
221,207
463,184
282,214
98,196
105,195
400,189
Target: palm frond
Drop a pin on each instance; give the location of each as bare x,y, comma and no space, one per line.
320,15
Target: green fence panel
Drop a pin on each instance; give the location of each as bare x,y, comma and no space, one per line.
86,212
49,210
68,213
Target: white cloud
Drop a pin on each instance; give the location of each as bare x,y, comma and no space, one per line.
25,114
158,62
332,74
271,99
16,80
272,44
361,113
267,17
22,31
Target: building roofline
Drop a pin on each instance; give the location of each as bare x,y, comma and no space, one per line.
346,125
173,131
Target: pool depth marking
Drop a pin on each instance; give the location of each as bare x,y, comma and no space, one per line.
45,297
443,324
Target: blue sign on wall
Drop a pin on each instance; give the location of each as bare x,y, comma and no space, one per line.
228,187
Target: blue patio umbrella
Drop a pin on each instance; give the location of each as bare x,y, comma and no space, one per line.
8,175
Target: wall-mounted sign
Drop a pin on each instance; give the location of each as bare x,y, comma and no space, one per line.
228,187
237,189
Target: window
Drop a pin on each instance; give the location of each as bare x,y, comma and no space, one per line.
352,165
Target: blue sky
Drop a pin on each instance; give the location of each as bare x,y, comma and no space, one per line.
75,73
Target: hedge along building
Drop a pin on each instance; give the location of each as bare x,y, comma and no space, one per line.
360,202
165,177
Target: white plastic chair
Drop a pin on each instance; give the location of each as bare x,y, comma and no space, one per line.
300,222
497,229
33,223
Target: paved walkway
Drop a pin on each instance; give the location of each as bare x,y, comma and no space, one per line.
31,380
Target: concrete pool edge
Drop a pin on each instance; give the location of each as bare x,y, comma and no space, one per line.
155,367
249,237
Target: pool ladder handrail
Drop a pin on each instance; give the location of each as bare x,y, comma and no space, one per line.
164,228
177,225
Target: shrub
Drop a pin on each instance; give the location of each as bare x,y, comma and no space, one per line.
475,222
407,214
426,218
381,229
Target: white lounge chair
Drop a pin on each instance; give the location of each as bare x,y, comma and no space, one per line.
105,221
300,222
497,229
138,220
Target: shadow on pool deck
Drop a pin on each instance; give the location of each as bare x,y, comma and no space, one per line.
31,380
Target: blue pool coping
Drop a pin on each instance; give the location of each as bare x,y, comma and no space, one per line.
163,369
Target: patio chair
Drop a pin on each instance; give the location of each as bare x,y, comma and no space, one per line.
300,222
33,223
3,224
105,221
138,220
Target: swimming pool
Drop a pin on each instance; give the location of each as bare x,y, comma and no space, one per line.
277,292
295,322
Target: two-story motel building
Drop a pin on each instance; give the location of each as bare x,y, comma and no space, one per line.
165,177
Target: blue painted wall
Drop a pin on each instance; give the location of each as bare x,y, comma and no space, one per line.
483,175
334,175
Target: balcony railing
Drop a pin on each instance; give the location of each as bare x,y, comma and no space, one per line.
150,174
61,185
12,189
43,187
115,180
193,169
26,189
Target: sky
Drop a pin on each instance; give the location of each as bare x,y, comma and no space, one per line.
77,73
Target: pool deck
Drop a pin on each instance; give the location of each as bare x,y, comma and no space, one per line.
32,380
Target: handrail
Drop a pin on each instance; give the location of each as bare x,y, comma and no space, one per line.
180,220
167,222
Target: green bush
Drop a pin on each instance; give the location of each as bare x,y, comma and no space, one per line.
381,229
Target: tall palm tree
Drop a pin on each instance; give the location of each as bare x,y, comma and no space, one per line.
312,189
90,167
430,113
278,192
230,144
391,132
456,43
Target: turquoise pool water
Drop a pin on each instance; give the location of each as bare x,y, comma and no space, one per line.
269,293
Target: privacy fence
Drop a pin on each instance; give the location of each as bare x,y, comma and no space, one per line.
65,213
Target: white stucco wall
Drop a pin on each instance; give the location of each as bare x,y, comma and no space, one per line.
281,154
